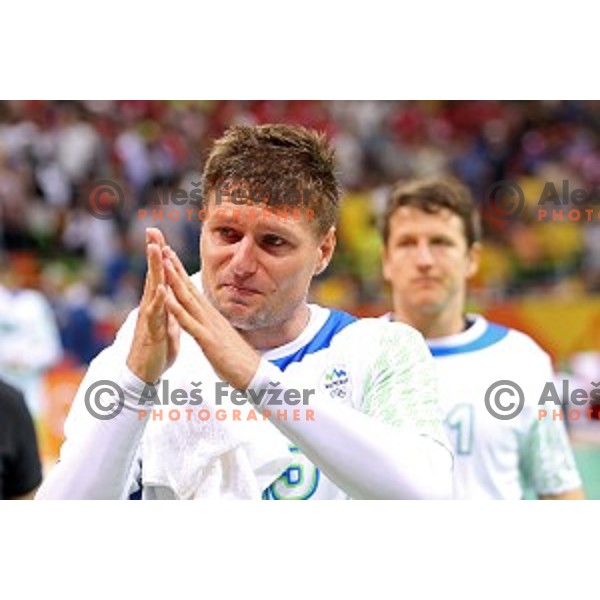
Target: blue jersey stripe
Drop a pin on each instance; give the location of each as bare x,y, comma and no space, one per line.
336,322
492,335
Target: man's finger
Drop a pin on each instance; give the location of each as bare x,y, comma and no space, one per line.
155,235
172,324
185,320
155,275
171,255
156,310
168,252
184,291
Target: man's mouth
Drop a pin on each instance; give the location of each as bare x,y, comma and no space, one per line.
426,281
240,290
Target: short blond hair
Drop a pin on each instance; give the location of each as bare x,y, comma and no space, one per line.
276,161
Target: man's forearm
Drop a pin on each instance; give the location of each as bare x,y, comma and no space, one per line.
95,462
365,457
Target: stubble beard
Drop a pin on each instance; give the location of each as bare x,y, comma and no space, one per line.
261,319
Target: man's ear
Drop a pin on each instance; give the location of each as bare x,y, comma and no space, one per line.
326,248
473,259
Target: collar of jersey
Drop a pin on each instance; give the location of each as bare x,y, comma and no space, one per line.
481,334
317,319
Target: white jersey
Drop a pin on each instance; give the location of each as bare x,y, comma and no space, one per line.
496,458
29,343
380,369
384,373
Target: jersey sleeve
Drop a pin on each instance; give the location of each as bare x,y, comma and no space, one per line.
100,458
401,387
547,459
389,444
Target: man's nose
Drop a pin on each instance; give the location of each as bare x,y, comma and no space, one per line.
244,261
424,255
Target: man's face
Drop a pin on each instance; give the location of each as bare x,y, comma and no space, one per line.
427,261
256,267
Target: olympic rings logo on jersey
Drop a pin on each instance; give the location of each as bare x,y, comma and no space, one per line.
335,382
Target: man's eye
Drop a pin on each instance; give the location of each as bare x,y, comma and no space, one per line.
228,234
273,241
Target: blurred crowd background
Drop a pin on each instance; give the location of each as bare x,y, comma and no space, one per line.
91,270
50,151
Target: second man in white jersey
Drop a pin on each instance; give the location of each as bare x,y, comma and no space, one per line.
431,234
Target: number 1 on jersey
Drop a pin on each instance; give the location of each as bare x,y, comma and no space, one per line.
460,419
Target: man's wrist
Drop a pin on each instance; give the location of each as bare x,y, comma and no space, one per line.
140,373
135,389
267,375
